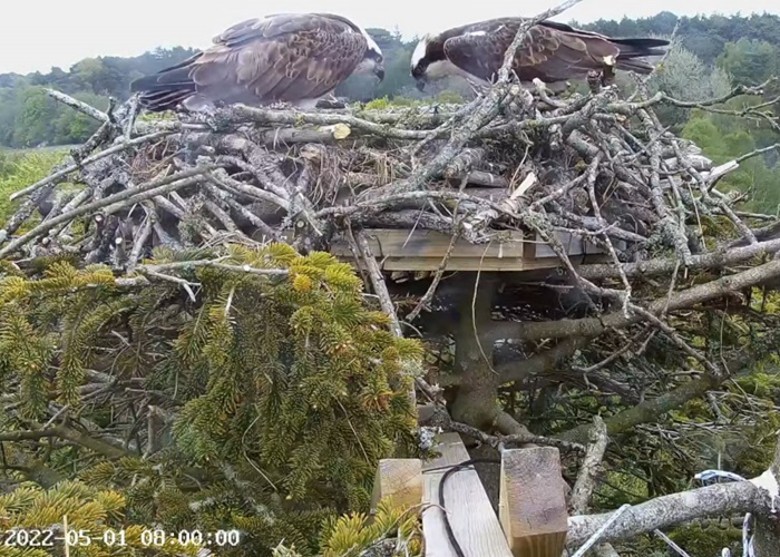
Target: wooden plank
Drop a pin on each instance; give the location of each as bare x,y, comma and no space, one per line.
461,264
387,242
574,245
400,481
476,264
532,503
472,519
423,250
479,264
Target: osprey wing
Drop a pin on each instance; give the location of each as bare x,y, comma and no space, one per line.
546,53
285,57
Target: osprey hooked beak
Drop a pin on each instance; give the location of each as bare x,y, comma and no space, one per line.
420,84
379,71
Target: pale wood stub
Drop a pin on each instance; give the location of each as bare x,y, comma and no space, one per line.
400,481
532,504
471,516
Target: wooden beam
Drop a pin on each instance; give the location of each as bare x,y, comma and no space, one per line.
423,250
574,245
532,505
471,517
514,264
464,264
390,242
400,481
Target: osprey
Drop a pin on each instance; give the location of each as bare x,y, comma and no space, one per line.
289,58
552,52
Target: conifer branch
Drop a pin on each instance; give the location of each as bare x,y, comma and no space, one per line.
69,434
215,263
589,470
29,435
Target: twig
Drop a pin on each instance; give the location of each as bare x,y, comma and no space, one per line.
82,107
88,160
510,440
144,191
679,550
598,533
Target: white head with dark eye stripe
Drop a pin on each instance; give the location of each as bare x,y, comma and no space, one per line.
429,51
373,59
418,56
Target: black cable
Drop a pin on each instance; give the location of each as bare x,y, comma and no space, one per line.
447,474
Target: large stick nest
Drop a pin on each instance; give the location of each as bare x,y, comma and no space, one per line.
593,165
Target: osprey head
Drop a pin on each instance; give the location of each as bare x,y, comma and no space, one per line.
421,59
373,60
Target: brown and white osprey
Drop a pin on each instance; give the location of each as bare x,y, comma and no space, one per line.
553,52
290,58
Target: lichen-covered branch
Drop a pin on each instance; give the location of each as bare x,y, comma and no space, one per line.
669,510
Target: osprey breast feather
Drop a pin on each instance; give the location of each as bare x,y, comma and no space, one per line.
553,52
292,58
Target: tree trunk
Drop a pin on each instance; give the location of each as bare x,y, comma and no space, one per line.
476,400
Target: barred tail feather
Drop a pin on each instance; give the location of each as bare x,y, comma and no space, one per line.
632,50
639,48
165,90
632,65
165,99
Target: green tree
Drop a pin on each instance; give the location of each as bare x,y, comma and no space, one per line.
728,142
750,62
684,76
32,125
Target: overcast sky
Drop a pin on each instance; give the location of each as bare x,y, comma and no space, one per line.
37,35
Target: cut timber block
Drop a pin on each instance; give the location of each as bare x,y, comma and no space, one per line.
398,480
532,504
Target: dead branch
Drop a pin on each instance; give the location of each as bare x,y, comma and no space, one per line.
589,470
670,510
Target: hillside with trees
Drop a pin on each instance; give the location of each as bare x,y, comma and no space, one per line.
224,323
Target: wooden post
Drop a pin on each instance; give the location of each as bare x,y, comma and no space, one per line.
532,505
399,480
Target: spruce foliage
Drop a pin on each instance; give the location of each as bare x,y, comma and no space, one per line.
279,391
95,526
